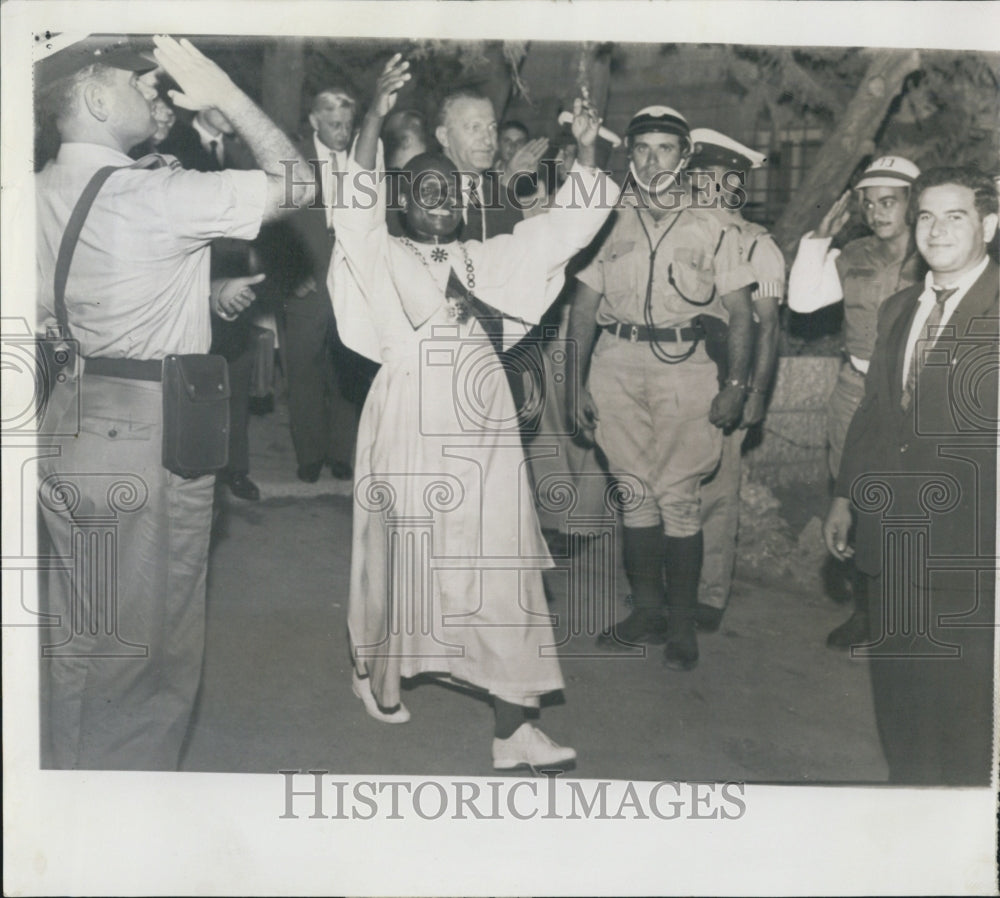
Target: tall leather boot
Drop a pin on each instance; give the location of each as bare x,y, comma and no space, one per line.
644,568
682,560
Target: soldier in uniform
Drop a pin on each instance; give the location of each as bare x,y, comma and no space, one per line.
137,290
863,274
661,290
717,172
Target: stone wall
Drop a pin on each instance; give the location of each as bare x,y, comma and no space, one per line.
793,445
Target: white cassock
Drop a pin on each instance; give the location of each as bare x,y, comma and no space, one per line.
447,555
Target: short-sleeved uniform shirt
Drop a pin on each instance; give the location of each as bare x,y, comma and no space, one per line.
761,254
139,281
697,261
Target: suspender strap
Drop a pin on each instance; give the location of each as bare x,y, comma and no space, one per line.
75,225
70,236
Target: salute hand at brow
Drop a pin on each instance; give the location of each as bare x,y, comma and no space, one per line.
836,218
203,83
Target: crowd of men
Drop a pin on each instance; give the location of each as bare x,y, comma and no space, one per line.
674,315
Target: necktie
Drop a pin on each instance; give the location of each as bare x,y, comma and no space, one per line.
933,323
213,148
475,217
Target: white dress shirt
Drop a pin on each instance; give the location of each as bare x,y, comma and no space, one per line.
927,300
335,161
207,138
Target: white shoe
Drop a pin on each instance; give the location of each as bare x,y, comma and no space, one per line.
529,746
362,688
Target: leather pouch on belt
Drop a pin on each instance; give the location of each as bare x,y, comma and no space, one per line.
195,414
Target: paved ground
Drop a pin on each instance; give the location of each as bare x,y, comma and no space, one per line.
767,703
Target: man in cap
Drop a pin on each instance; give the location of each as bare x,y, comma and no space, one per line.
120,688
864,273
666,274
718,172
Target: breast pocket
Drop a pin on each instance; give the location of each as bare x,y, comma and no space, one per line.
692,275
620,282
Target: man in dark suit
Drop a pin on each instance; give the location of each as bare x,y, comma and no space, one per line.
919,475
207,144
327,383
467,132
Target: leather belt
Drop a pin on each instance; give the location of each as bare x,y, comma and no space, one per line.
130,369
638,333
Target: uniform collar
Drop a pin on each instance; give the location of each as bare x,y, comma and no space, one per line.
89,155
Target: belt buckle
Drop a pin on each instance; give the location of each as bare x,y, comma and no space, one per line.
633,334
677,335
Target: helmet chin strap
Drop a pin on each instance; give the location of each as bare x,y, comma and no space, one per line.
663,183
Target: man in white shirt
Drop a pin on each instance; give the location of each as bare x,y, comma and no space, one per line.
326,382
863,275
918,479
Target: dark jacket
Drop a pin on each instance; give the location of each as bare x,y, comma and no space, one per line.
936,461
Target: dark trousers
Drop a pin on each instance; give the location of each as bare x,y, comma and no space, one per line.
326,382
231,339
933,704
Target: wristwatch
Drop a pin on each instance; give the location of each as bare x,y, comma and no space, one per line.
736,382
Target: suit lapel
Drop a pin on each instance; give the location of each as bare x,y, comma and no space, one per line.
899,330
977,303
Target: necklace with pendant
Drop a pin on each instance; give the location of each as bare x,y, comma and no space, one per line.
458,309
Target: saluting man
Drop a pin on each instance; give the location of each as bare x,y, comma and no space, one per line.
863,275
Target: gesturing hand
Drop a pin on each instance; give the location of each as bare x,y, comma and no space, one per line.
586,122
526,159
202,82
232,296
389,83
836,218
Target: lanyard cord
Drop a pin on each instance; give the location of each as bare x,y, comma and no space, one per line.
647,309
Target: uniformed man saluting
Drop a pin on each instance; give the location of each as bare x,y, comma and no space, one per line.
865,273
120,690
667,277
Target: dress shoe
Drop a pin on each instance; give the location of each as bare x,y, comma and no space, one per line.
241,486
642,625
341,470
310,472
854,631
530,747
708,618
362,688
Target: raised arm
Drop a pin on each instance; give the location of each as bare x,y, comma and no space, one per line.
813,282
394,76
203,84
